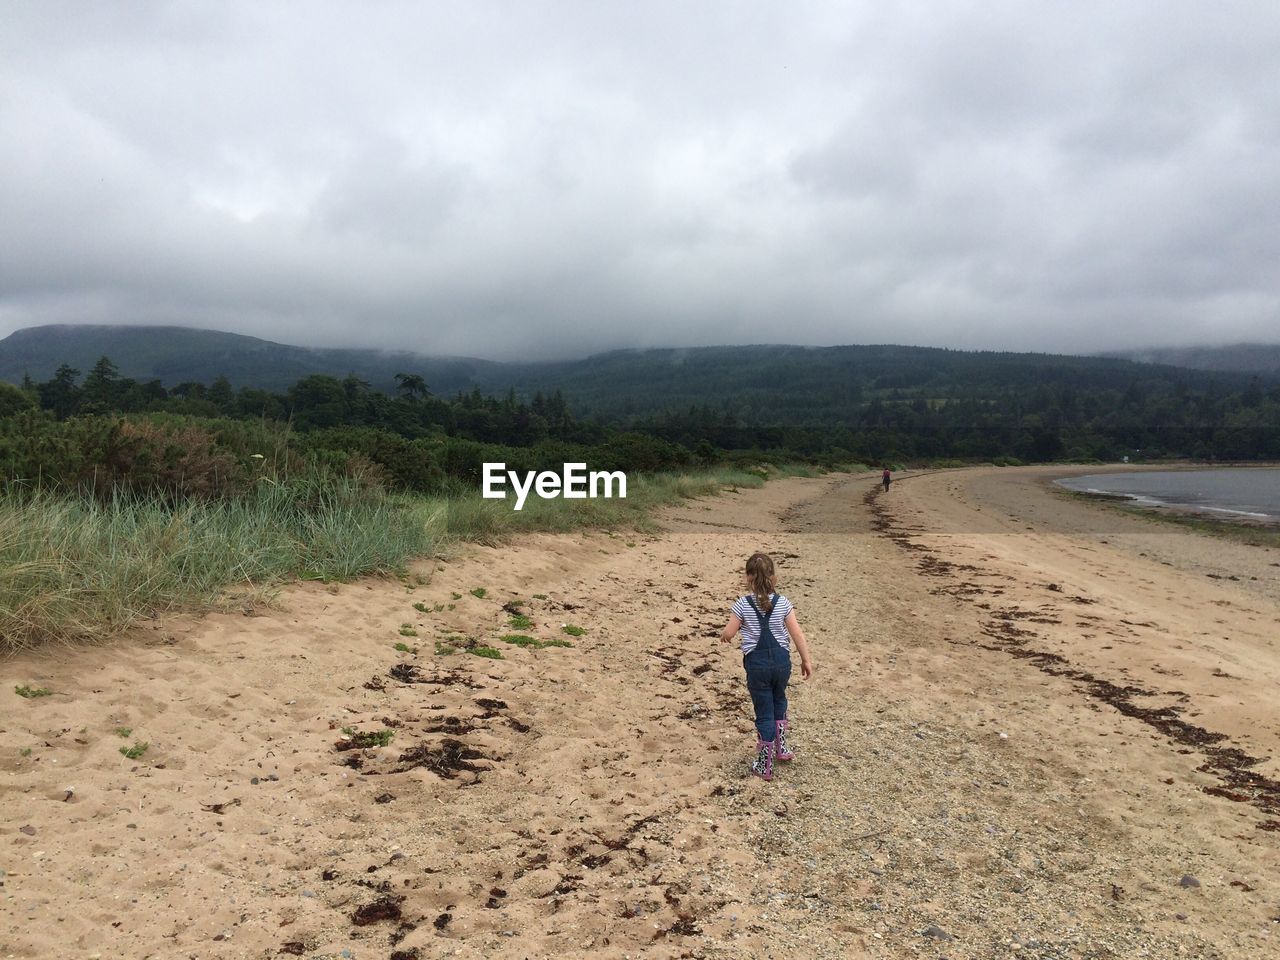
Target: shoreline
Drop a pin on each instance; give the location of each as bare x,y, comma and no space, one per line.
1238,527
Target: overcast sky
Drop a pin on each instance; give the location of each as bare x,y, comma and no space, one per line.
549,179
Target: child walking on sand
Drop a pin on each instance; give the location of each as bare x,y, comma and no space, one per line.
769,626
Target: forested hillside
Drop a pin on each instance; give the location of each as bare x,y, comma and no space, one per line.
667,409
816,386
755,385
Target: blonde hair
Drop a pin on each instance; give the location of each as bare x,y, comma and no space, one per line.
760,573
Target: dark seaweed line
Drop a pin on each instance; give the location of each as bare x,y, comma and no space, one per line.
1230,765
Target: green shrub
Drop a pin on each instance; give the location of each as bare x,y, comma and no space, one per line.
14,400
105,456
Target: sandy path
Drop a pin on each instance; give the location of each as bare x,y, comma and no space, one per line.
1096,813
601,808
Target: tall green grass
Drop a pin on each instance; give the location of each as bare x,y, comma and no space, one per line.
78,569
72,568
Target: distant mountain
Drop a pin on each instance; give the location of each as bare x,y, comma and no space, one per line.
175,355
761,384
1262,358
791,384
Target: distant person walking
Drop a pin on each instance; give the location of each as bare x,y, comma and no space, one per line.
768,625
885,478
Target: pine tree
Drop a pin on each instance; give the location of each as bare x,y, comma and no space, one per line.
61,395
99,393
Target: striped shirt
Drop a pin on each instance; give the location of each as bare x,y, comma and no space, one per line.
751,622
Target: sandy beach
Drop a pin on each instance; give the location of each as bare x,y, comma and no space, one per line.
1038,728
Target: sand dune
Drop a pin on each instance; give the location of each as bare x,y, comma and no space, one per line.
999,751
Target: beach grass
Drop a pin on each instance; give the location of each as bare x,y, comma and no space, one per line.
75,568
78,569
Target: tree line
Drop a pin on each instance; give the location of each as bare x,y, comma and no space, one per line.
108,433
107,427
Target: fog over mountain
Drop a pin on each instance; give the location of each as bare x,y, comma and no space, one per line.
1241,357
547,180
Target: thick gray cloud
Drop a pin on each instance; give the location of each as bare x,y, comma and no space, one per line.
547,179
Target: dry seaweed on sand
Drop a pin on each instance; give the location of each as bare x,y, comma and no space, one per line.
384,908
451,757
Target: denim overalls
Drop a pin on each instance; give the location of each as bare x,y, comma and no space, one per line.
768,670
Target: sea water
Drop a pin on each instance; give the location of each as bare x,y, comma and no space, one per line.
1245,492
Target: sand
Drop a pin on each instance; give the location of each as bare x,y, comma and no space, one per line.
1030,734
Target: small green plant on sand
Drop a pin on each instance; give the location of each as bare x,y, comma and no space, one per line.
479,593
374,738
26,751
452,605
124,732
532,643
489,652
136,751
539,596
521,640
444,649
521,622
405,648
406,630
31,693
573,631
420,607
455,595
